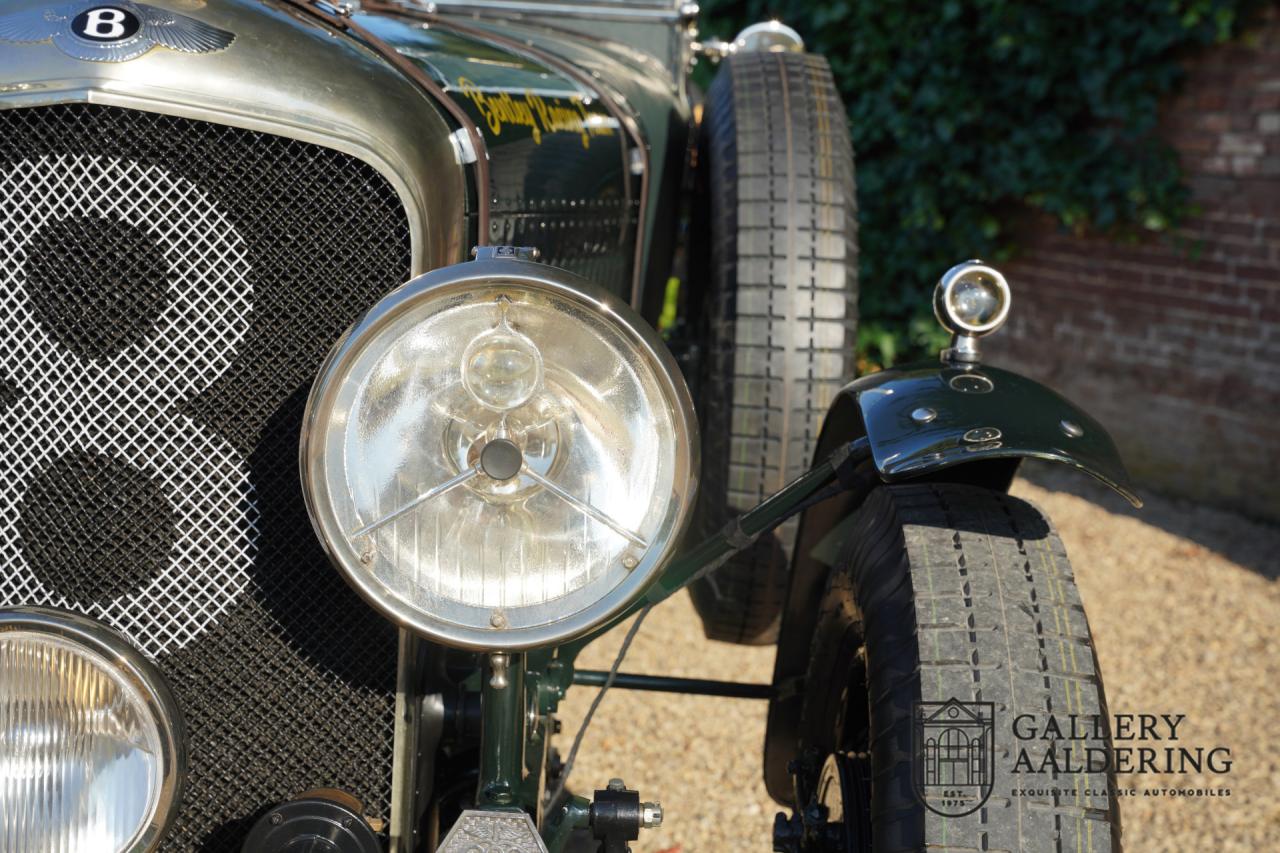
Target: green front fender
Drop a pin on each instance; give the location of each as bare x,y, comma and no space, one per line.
930,416
926,420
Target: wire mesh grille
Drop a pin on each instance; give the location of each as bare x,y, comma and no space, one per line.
168,289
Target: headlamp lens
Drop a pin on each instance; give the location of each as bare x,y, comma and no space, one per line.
971,299
83,756
501,367
975,300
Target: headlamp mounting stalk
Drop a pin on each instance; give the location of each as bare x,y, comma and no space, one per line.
848,469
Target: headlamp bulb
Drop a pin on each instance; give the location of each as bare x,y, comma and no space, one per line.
502,368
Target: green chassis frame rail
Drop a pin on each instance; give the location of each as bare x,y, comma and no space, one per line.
516,705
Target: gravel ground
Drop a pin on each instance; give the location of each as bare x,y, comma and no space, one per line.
1185,609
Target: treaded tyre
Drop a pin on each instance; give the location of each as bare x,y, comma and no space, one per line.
779,266
945,592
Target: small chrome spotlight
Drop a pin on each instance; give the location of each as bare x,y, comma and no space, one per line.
970,301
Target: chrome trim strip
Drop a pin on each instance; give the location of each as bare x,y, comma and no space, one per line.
404,764
479,151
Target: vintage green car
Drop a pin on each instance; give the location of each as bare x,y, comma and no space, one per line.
209,210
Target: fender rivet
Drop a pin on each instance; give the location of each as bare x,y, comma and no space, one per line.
923,415
980,435
1071,428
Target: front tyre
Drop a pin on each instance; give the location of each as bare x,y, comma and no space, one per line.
953,592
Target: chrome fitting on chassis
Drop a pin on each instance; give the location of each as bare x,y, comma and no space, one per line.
615,818
513,830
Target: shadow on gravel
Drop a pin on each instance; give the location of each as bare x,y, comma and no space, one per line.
1255,545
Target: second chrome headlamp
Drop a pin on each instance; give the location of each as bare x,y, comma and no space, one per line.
92,753
499,455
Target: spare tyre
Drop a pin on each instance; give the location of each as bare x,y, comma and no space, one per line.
774,250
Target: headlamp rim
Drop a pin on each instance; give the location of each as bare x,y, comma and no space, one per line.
145,677
942,299
456,281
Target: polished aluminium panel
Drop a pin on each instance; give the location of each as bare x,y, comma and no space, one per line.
628,10
478,830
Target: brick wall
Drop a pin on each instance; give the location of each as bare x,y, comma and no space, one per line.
1176,351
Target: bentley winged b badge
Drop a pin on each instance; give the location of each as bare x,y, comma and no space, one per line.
112,32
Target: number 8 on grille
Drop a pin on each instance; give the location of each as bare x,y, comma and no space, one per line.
126,405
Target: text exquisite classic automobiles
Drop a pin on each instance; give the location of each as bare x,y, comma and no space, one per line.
208,213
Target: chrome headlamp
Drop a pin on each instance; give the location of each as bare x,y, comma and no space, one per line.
499,455
971,300
92,754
